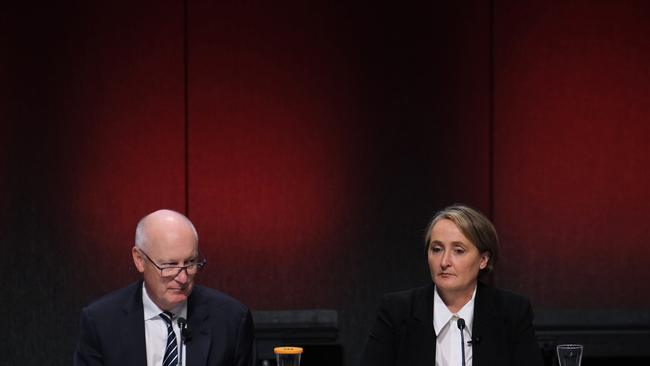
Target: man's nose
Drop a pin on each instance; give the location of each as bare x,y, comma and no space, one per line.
182,276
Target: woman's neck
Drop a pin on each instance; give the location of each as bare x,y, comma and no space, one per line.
455,300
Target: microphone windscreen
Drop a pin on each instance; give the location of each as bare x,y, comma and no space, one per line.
461,323
182,322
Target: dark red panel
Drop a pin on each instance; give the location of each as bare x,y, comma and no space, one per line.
571,151
93,140
98,126
323,136
128,93
272,147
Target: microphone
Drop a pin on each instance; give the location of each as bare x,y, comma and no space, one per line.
461,326
186,334
182,324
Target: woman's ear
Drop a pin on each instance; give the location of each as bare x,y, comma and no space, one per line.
485,259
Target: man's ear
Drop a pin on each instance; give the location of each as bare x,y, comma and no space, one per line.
138,261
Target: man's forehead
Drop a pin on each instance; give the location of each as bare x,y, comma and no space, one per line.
173,240
174,251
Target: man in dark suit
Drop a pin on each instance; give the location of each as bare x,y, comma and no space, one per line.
166,319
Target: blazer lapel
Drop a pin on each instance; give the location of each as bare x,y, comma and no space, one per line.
421,336
486,328
198,347
131,330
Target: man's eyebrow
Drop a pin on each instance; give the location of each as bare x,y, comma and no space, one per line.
188,260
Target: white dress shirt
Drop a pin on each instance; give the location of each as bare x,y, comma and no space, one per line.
445,324
155,329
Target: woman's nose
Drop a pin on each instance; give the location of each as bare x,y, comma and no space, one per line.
444,262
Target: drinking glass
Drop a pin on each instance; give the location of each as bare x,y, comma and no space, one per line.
288,355
569,354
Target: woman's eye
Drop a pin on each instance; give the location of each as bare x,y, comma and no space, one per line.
436,249
459,251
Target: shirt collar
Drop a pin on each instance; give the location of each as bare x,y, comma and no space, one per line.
151,310
442,315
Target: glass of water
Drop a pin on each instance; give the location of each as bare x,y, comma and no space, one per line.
569,354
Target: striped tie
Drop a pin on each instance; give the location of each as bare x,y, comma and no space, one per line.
171,351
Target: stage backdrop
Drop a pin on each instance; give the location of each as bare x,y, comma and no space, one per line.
311,142
571,112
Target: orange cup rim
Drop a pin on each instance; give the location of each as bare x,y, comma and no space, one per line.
287,350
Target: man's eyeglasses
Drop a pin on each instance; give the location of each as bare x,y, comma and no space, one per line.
171,272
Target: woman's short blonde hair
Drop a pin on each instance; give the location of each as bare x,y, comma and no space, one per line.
475,226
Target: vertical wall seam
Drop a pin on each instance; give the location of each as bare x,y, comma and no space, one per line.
186,107
494,277
491,111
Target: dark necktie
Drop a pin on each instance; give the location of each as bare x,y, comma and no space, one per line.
171,351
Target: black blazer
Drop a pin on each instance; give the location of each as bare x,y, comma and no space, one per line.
112,330
502,330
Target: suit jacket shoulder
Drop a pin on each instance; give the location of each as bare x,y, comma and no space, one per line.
112,330
502,330
221,328
217,299
403,331
117,300
410,296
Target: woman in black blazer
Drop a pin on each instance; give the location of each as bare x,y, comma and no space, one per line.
461,244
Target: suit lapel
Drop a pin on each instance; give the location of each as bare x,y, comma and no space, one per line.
132,330
486,327
197,314
421,335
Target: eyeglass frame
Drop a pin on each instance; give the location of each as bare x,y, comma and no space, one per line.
199,266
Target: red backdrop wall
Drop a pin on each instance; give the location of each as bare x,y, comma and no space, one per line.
311,142
571,150
301,116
